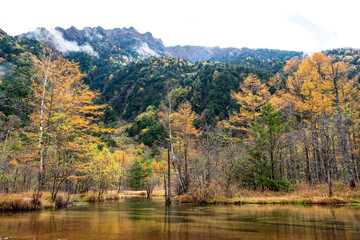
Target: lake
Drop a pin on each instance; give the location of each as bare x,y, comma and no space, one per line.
139,218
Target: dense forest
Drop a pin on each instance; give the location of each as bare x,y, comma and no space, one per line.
77,122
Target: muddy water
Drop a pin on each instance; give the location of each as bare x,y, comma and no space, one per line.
137,218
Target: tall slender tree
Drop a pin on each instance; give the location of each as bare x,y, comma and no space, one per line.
63,118
186,135
253,96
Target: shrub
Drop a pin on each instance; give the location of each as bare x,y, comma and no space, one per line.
62,200
93,197
198,196
112,195
24,202
274,185
36,199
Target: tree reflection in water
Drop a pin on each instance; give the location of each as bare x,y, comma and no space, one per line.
139,218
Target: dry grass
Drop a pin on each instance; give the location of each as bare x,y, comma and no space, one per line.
301,194
134,193
112,195
62,199
202,196
28,201
158,191
92,197
77,197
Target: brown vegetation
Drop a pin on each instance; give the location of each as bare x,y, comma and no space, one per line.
302,194
28,201
62,199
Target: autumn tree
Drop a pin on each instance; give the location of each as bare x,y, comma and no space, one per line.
214,153
344,92
319,90
10,145
123,158
104,169
166,114
252,97
186,135
154,178
63,119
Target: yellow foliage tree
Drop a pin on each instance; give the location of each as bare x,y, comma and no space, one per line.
104,169
252,97
63,118
186,135
124,159
319,89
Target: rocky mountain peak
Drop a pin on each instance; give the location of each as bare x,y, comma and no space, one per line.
132,44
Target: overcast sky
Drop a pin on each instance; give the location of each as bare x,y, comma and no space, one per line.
306,25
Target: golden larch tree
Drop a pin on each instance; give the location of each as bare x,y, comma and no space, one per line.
253,96
63,118
186,135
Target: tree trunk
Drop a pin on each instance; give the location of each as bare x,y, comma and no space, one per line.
356,155
168,194
353,160
334,162
15,180
292,163
272,164
177,171
316,151
281,167
341,129
307,170
327,161
41,127
186,172
165,187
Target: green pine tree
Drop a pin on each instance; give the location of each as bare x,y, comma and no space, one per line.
266,134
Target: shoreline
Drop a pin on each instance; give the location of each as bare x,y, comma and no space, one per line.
278,201
35,201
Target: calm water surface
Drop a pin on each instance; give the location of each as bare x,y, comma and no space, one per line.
138,218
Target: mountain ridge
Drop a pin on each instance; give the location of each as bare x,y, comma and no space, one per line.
140,45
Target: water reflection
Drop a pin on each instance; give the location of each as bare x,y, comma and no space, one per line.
137,218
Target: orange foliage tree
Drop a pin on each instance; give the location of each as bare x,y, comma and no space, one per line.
63,119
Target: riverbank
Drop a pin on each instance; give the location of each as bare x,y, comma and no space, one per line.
301,194
27,201
33,200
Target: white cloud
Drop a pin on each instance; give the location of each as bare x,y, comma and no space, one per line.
144,50
61,44
65,46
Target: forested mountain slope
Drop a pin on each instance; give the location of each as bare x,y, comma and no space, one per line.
96,100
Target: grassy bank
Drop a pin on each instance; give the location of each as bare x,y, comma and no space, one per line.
32,201
301,194
114,195
28,201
